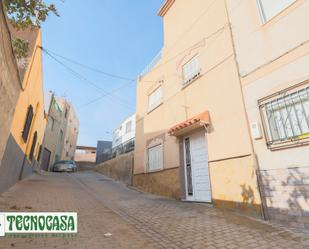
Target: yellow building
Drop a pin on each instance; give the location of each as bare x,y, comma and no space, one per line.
23,147
192,136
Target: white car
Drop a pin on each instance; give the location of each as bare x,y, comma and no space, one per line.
65,166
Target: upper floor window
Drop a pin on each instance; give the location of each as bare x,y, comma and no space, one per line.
270,8
155,99
27,124
286,119
155,158
128,126
191,69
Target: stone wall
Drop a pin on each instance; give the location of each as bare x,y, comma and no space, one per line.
119,168
165,183
10,85
286,192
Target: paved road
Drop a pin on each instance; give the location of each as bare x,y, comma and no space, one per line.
135,219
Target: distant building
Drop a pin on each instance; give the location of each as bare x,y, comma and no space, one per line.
103,150
85,154
61,132
124,136
71,132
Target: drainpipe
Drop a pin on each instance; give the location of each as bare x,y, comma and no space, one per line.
255,159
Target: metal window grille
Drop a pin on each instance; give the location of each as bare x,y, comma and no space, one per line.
287,118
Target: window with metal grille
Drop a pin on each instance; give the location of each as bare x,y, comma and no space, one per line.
191,70
27,124
286,119
155,158
270,8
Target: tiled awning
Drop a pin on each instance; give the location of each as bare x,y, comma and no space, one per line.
190,124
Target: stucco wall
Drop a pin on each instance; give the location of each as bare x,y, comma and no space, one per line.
32,94
12,168
197,28
218,89
10,85
119,168
257,43
52,140
274,56
234,185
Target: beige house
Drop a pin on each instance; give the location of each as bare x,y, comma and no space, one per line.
192,135
272,46
71,130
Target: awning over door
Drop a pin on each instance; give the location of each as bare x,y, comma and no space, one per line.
195,122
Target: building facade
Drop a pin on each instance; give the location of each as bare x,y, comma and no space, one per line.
61,132
85,154
22,150
124,136
10,84
192,136
71,130
54,133
272,45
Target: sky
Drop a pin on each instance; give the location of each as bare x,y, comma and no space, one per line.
119,37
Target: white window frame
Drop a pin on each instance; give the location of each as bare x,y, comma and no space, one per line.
128,126
285,117
262,11
196,70
160,162
155,99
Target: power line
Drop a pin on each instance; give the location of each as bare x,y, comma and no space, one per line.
88,82
89,67
104,95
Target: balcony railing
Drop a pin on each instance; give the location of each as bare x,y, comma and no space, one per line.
151,65
123,148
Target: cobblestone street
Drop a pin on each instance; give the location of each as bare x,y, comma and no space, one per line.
135,219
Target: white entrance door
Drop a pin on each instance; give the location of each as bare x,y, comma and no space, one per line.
196,168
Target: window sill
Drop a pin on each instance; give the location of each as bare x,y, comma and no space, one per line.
153,171
185,85
292,143
151,110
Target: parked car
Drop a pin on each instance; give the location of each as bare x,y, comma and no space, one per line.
65,166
